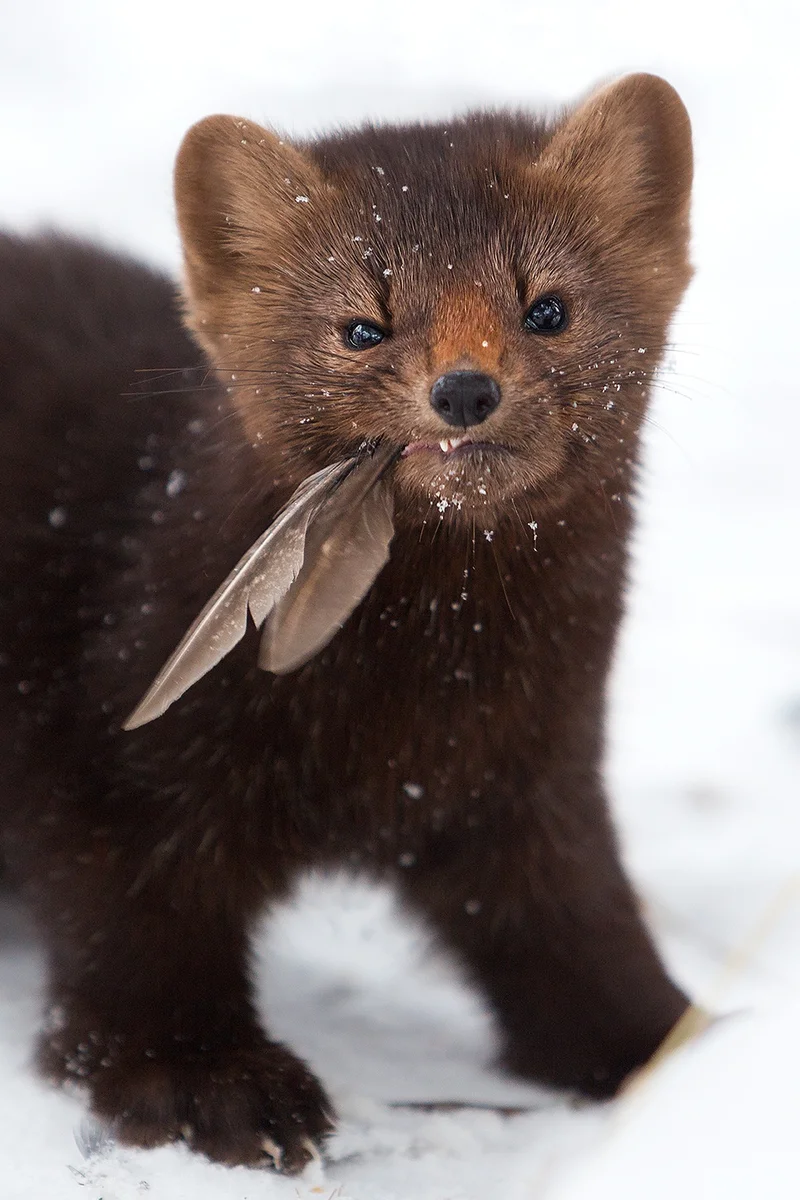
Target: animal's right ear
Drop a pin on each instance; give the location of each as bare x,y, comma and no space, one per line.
630,147
238,190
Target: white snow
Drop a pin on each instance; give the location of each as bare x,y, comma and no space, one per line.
705,748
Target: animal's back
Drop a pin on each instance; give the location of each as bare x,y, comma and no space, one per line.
82,335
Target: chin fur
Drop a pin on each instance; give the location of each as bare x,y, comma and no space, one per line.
483,489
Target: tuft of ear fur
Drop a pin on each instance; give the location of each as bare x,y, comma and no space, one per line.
630,145
238,189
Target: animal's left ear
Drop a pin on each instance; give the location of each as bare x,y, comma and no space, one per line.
630,145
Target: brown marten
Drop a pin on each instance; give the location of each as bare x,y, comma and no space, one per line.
491,296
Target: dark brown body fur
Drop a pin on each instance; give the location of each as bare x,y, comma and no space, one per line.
450,737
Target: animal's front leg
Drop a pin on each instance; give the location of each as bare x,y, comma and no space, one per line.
537,907
151,1012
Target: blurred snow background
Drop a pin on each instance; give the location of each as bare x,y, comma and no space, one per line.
705,748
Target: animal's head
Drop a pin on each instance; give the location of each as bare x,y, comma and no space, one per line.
492,295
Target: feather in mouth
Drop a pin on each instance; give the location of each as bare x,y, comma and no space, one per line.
300,580
305,574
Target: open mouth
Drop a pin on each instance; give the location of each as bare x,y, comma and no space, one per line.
452,446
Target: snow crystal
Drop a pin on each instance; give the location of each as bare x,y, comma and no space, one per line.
176,482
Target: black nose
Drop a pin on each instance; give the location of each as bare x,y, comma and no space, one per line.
464,397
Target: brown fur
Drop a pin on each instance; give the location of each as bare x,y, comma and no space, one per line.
451,736
464,333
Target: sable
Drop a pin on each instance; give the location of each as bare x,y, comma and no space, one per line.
485,301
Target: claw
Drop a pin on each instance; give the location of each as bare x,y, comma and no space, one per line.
311,1150
274,1151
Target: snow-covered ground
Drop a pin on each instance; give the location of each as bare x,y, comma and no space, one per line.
705,756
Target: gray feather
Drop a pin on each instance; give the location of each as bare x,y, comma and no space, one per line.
257,582
347,546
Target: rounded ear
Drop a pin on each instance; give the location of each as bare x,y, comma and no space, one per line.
237,187
631,143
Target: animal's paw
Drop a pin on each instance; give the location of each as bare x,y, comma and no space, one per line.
254,1106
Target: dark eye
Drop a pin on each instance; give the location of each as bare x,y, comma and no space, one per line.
363,334
547,315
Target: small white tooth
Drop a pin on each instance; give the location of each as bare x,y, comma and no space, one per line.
445,445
